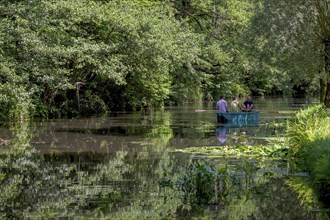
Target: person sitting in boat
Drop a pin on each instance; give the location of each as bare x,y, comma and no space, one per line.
222,106
234,105
248,105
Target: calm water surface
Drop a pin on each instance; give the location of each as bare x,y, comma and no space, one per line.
126,166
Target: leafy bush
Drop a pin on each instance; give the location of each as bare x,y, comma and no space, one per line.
309,141
307,125
91,104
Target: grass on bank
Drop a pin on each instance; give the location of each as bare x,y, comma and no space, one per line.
308,138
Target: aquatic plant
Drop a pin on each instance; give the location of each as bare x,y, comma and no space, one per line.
202,184
206,183
244,151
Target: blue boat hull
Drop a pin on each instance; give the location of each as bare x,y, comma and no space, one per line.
239,117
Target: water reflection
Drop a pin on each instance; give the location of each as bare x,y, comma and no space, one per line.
221,132
124,167
235,130
243,190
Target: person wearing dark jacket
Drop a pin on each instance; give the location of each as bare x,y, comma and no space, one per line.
248,105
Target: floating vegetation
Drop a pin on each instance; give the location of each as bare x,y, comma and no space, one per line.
275,152
287,112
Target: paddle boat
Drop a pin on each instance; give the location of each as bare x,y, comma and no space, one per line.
239,117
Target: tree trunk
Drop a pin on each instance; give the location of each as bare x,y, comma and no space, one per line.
327,69
323,87
327,97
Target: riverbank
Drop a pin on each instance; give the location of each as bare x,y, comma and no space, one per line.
308,137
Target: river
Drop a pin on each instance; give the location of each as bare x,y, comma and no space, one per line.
138,165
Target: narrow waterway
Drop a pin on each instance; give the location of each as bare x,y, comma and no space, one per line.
132,165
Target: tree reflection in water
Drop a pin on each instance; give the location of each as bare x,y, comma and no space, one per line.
147,182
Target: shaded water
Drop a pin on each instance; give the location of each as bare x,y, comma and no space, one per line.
126,166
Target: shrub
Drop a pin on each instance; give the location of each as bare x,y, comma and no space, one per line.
307,125
309,141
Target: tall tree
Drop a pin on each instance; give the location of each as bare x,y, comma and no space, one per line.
292,38
222,58
323,21
122,52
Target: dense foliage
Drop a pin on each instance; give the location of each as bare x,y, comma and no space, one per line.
68,58
308,138
296,43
